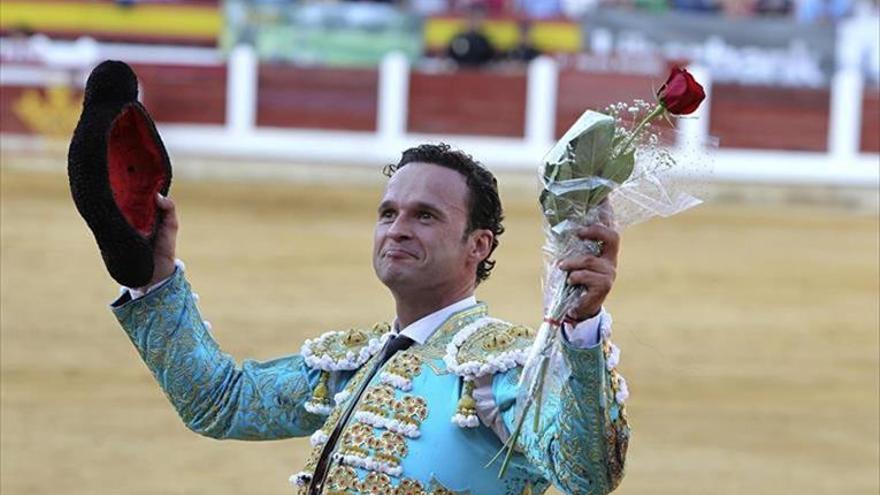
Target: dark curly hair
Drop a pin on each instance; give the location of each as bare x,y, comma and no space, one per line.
484,210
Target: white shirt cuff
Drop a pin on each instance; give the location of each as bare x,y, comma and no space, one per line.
139,292
585,334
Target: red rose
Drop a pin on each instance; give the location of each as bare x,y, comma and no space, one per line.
681,94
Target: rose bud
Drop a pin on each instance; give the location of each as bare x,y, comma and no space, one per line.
681,94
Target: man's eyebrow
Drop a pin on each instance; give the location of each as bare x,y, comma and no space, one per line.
422,206
419,205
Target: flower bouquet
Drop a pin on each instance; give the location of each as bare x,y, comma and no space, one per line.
610,161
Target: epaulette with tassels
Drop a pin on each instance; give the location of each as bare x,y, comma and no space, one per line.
340,350
485,347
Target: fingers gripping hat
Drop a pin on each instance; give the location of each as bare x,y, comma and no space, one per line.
116,164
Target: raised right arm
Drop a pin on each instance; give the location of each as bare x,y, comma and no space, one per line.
213,396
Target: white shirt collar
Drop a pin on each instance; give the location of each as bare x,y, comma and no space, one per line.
422,329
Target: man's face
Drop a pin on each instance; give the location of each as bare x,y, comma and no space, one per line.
419,242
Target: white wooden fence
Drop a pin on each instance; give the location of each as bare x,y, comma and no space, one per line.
842,164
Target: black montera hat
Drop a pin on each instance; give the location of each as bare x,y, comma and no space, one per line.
116,164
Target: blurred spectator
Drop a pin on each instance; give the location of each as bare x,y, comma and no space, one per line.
539,9
738,8
524,51
490,7
773,7
651,5
497,7
812,11
704,6
471,48
428,7
575,9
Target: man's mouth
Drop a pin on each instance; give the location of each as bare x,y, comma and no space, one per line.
398,253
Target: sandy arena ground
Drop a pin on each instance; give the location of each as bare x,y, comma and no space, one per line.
749,337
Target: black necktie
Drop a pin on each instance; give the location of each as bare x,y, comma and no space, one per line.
394,345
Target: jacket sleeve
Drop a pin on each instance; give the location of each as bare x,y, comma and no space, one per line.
213,396
581,443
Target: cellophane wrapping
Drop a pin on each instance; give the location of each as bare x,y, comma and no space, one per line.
605,169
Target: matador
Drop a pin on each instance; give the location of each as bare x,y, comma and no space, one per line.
416,405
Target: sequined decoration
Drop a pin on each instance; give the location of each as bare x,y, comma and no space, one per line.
343,480
401,369
380,409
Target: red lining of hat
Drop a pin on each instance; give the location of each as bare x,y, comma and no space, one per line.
136,168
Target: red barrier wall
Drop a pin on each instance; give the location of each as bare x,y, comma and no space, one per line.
317,98
468,102
487,103
760,117
579,91
184,95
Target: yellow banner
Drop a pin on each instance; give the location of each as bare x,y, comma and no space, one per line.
146,20
546,36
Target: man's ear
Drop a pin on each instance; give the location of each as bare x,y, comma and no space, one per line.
481,246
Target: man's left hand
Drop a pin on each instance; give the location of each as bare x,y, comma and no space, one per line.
595,273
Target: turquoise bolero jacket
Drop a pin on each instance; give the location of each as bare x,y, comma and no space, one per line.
428,422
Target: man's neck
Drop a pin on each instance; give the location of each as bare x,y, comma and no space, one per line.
411,309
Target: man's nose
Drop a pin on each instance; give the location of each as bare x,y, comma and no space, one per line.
399,228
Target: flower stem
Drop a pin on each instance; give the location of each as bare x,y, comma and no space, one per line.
511,442
536,423
536,388
655,112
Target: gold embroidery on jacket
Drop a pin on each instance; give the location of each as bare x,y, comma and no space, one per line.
363,442
494,340
401,369
343,480
435,347
411,409
361,448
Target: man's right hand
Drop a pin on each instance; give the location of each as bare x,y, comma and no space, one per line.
166,241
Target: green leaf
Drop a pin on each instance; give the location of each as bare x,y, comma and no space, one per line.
593,148
550,208
563,151
618,171
620,168
572,165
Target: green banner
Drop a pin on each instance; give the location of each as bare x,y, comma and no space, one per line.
344,34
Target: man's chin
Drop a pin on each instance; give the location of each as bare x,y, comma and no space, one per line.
395,276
